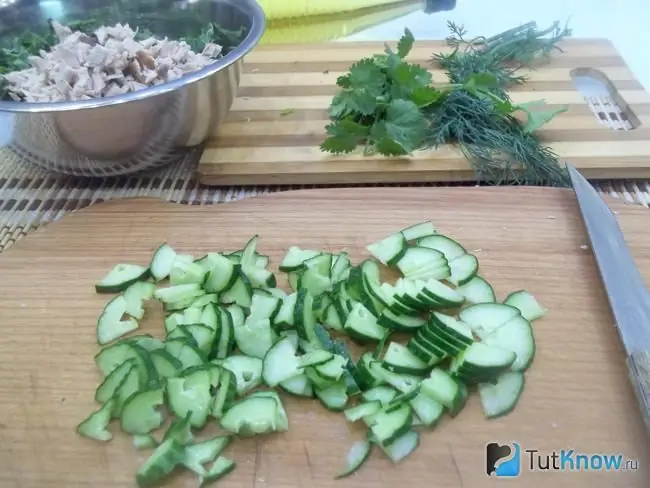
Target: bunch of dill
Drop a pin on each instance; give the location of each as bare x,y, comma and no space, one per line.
500,148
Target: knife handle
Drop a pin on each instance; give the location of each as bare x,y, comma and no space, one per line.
638,365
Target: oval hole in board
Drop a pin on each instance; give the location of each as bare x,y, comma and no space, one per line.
604,100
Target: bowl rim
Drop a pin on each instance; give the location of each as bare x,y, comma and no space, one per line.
258,26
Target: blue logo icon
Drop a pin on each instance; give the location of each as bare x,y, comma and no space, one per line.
503,460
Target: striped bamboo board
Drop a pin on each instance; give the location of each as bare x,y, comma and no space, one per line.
273,131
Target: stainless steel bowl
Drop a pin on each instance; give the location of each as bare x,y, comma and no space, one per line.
141,130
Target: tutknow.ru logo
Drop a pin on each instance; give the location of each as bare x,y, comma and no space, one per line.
509,460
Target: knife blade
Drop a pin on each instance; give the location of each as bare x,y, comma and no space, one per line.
628,296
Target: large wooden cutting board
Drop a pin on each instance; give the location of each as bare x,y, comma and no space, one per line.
272,134
577,394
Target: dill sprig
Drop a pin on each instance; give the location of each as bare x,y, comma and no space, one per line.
500,148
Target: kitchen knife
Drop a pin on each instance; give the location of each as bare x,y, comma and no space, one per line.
628,296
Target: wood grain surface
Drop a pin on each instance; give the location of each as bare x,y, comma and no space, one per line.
577,394
273,131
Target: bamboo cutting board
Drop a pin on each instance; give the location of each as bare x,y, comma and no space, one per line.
273,131
577,394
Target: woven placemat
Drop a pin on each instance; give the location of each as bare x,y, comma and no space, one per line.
31,197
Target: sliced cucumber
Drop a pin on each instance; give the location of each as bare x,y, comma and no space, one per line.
382,394
389,250
247,371
162,261
111,324
403,323
477,290
179,293
135,296
500,398
221,467
442,388
428,410
121,277
140,413
222,274
419,230
527,304
299,386
251,416
295,258
357,455
96,425
190,394
200,453
362,410
281,363
160,464
485,317
400,360
402,447
416,259
390,426
362,325
516,335
334,397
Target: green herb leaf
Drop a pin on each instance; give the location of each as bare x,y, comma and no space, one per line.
344,136
405,44
402,131
425,95
537,118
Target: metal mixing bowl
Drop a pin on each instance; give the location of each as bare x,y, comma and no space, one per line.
141,130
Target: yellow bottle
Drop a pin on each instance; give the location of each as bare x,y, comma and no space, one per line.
323,28
284,9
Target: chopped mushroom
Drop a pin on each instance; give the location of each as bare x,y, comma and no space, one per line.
110,62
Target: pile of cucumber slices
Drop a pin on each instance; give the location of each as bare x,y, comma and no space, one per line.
233,339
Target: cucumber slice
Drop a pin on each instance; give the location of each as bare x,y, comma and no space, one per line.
402,323
516,335
299,386
402,447
162,261
96,425
483,318
196,455
362,410
222,275
247,371
240,293
187,353
334,398
295,258
225,394
110,325
281,419
281,363
458,330
477,290
264,306
442,388
442,294
428,410
179,293
112,382
145,441
500,398
251,416
441,243
400,360
121,277
255,339
186,271
284,319
389,250
190,395
419,230
417,258
382,394
221,467
390,426
482,362
527,304
304,318
357,455
463,269
140,414
166,365
160,464
362,325
135,296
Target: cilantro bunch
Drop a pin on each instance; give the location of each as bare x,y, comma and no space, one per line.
380,105
391,108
